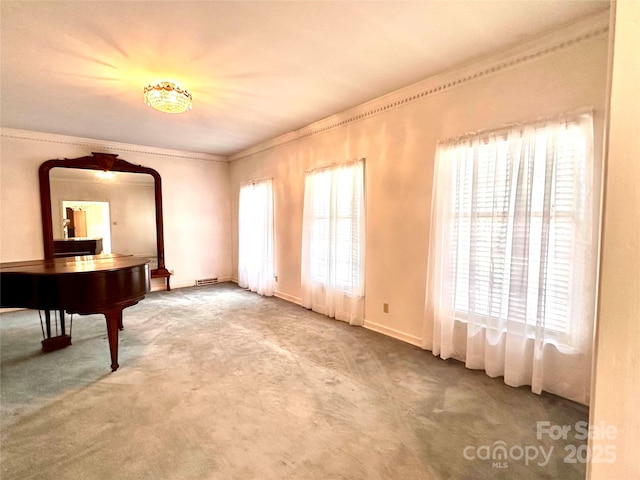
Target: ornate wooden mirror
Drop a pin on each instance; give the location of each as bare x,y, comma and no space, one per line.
104,162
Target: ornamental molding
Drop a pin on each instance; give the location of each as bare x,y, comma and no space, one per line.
589,28
106,146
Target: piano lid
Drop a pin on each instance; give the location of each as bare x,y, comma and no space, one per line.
67,265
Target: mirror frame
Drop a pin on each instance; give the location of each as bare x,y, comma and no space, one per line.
108,162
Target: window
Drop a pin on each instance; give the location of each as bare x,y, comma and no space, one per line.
255,237
333,239
514,227
513,253
335,229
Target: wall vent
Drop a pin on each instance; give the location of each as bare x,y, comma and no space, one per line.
206,281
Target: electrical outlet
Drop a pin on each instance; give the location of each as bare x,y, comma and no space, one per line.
385,307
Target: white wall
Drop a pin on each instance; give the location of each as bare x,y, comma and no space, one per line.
616,391
398,139
195,191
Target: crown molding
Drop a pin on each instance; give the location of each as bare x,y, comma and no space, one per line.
591,27
106,146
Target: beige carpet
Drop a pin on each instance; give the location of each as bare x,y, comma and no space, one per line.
219,383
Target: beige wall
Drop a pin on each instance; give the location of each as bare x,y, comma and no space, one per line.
616,392
399,145
195,200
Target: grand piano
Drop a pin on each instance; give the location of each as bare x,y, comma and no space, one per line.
94,284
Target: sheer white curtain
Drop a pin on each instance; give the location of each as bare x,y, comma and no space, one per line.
512,260
333,242
255,237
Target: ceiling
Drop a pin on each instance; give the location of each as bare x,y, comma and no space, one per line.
256,70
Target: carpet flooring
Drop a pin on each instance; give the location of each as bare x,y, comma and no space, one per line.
220,383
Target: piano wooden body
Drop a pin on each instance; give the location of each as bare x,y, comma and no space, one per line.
95,284
73,247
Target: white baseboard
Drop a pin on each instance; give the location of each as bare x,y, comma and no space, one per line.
282,295
161,285
391,332
225,279
375,327
287,297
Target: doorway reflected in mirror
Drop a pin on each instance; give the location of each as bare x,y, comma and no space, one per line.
88,220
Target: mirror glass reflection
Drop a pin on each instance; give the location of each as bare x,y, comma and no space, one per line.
96,213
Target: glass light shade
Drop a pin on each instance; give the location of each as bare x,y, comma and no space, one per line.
105,175
167,97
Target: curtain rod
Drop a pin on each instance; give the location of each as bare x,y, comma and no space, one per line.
569,117
336,164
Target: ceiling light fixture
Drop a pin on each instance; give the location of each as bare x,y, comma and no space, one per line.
167,97
105,175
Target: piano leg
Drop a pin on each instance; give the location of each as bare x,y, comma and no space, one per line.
114,319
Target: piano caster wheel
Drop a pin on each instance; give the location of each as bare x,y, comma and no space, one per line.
114,368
